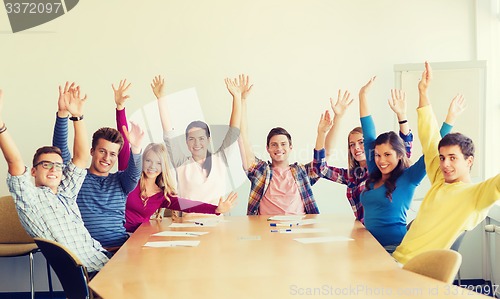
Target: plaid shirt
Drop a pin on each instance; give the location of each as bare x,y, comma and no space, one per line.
355,179
56,216
260,174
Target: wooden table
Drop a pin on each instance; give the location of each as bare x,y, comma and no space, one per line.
242,258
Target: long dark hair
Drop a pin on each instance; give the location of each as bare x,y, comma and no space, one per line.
397,145
207,165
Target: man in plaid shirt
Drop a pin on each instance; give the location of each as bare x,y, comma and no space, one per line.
278,187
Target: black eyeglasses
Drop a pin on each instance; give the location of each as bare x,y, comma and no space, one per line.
49,165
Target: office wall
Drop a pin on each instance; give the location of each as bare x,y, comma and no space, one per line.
298,53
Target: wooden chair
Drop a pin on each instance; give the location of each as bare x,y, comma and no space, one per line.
455,246
14,240
441,264
71,272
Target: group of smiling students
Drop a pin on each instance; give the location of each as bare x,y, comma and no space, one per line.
93,211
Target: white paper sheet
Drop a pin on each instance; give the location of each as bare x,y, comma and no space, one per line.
212,221
191,224
286,217
294,223
300,230
172,244
170,233
323,239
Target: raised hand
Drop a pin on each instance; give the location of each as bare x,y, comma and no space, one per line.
134,136
232,87
325,122
457,106
340,106
424,82
239,86
397,102
158,86
226,205
73,100
363,105
120,96
245,85
62,111
366,88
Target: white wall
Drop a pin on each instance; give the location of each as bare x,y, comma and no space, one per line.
298,53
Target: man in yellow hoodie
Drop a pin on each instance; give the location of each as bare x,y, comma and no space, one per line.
453,204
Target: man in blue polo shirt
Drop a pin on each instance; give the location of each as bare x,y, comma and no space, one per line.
103,194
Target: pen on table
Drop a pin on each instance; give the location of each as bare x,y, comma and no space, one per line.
191,234
280,224
281,230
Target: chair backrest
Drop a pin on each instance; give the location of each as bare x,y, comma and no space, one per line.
440,264
70,271
11,229
456,245
408,225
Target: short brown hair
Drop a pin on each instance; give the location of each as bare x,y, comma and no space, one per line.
465,143
278,131
46,150
109,134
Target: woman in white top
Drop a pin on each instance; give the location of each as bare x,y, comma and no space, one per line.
201,175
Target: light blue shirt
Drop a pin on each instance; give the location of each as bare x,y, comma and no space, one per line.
56,216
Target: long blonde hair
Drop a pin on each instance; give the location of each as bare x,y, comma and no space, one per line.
164,180
353,164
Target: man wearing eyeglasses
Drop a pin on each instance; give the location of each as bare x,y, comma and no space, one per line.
48,208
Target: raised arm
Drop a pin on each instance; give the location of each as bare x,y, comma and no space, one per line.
237,88
363,104
339,107
324,125
457,106
121,121
367,124
428,130
130,176
134,137
60,136
423,85
9,149
74,104
158,87
397,102
247,154
175,151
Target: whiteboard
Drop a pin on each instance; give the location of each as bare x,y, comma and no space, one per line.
449,79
